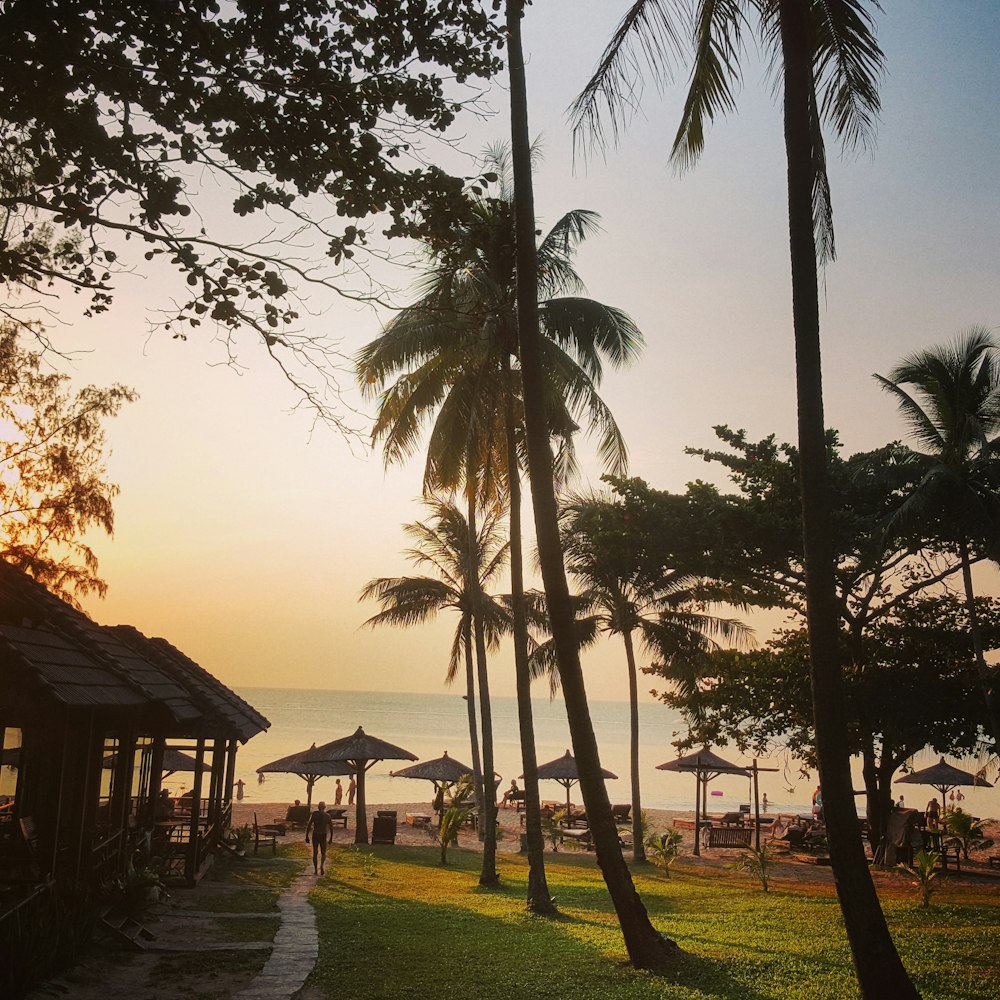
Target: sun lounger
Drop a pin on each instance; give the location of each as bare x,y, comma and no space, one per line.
727,837
622,812
384,830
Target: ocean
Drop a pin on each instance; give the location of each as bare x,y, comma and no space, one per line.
429,724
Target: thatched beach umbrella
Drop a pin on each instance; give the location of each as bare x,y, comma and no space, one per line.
441,771
361,751
563,769
310,772
943,777
173,761
705,766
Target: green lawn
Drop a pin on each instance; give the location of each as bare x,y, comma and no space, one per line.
395,923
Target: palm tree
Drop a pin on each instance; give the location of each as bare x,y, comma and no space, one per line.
454,357
444,544
953,410
646,947
828,65
621,597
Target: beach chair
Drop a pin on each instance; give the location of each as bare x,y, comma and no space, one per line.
384,829
622,812
264,835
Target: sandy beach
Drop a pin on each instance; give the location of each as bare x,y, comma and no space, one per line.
407,834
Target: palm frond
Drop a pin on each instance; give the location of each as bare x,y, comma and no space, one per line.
649,34
715,75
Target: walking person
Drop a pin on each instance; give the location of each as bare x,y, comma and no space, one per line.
352,788
321,827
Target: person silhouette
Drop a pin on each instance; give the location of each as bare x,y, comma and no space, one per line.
338,795
321,827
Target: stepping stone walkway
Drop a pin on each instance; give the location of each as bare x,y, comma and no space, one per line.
296,947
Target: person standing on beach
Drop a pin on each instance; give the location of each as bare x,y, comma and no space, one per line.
239,790
338,795
352,787
321,827
765,802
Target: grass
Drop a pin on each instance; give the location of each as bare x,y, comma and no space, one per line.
395,923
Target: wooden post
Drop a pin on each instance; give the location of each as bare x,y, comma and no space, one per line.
193,853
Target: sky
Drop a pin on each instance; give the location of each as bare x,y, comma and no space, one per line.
244,534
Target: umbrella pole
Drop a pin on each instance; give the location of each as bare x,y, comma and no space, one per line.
310,781
361,815
756,808
697,812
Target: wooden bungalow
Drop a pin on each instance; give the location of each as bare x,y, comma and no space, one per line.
86,716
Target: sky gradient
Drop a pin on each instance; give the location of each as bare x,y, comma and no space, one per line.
244,536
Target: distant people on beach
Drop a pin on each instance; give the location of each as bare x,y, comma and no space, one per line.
901,804
511,795
352,789
764,802
260,777
932,815
338,795
321,827
240,785
817,809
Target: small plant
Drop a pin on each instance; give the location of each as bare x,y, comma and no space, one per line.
241,836
965,829
452,820
369,867
663,850
924,874
757,861
552,829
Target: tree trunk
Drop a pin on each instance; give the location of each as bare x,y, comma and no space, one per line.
488,811
876,961
646,947
977,646
539,899
638,847
470,698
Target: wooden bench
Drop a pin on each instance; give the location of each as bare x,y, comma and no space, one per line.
727,837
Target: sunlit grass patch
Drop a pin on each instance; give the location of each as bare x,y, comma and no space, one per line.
395,921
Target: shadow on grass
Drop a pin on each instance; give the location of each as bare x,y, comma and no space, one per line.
386,946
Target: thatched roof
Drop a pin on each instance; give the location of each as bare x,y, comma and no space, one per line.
444,768
943,775
359,746
296,763
564,769
705,761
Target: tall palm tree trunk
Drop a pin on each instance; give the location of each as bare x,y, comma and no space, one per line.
646,947
488,810
638,847
879,969
539,900
977,646
470,699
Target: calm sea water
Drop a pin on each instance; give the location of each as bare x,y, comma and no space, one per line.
429,724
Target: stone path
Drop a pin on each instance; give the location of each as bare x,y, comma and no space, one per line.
296,947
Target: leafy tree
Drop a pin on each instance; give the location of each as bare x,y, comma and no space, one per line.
443,544
646,947
120,117
454,357
627,594
53,481
915,685
952,407
826,65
